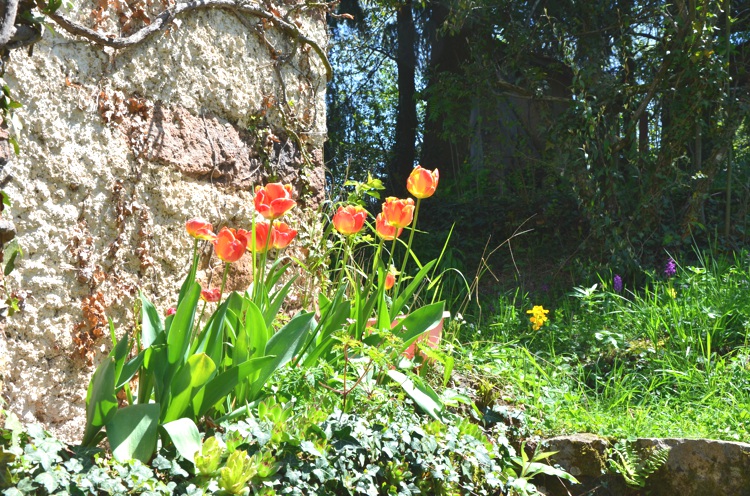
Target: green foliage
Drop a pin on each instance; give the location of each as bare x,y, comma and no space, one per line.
183,375
8,116
634,467
626,364
387,451
527,468
34,462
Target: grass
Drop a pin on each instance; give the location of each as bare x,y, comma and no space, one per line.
666,360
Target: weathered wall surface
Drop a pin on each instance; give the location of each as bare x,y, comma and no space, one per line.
118,150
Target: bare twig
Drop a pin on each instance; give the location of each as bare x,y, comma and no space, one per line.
8,21
163,20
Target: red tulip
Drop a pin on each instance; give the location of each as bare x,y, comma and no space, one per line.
398,213
385,230
211,295
282,235
349,220
273,200
390,280
230,244
422,183
200,229
171,311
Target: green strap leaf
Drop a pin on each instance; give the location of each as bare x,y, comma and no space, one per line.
284,345
422,394
224,383
151,326
101,400
400,302
185,436
187,382
275,304
132,432
418,323
255,330
181,329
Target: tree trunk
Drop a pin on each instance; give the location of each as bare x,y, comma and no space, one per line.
404,147
448,53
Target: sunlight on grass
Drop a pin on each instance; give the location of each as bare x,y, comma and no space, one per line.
667,360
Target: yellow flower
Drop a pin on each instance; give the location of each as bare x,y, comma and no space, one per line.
538,316
672,292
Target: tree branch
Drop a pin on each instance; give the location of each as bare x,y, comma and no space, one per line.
163,20
8,21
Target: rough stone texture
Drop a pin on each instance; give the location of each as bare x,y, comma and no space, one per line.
118,149
695,467
701,467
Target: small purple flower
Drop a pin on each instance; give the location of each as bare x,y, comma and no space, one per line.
617,283
670,268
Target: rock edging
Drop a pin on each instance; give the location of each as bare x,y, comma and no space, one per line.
694,467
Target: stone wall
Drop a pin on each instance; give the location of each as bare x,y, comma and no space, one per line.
118,149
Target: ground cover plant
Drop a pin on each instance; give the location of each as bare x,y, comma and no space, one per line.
350,396
667,359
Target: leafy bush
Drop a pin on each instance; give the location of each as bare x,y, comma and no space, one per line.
280,452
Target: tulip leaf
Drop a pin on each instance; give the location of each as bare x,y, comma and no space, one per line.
191,377
101,400
129,369
422,394
333,320
256,330
181,329
402,299
151,326
418,322
275,304
119,352
132,432
274,274
211,340
185,436
155,363
223,384
190,278
284,345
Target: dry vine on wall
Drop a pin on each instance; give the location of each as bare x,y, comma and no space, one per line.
135,27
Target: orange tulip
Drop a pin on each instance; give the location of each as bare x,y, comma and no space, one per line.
230,244
282,235
422,183
273,200
262,242
390,280
211,295
349,220
200,229
398,213
385,230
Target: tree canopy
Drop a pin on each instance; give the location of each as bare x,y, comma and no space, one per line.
618,127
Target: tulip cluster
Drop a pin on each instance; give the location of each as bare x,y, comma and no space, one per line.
396,215
272,201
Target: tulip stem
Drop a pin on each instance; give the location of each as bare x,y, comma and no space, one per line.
264,260
221,293
197,326
371,280
253,249
412,228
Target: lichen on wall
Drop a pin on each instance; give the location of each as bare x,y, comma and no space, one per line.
118,150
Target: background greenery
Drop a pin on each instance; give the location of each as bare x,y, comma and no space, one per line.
615,130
